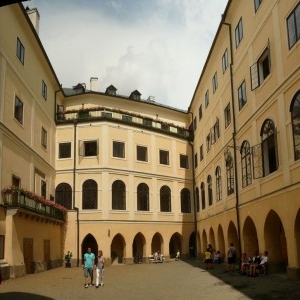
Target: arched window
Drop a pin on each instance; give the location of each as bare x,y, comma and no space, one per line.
202,195
118,195
197,200
229,173
143,197
165,199
295,116
63,195
89,194
218,184
185,201
246,164
269,147
209,190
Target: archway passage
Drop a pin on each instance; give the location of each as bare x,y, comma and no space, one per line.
175,245
117,249
89,242
157,243
250,238
138,249
276,242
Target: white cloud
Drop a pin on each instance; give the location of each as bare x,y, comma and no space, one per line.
157,47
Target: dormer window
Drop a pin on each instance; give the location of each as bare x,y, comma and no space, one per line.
135,95
111,90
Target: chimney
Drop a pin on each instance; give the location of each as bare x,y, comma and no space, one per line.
94,84
34,17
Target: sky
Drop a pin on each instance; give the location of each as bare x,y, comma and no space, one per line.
157,47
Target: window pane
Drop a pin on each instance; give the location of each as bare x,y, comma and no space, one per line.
64,150
118,149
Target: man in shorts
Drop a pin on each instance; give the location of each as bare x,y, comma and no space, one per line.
88,267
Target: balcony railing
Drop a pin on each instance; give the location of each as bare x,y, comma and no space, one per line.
18,199
125,117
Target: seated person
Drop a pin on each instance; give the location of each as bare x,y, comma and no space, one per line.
245,263
208,259
177,255
254,267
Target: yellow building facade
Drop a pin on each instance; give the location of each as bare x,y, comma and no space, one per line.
138,177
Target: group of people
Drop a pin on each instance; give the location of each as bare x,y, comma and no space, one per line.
253,264
211,257
91,264
158,256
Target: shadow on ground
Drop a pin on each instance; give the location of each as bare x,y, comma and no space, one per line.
23,296
264,287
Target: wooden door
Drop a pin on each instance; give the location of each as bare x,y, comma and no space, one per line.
28,255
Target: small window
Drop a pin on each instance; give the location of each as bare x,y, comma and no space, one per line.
260,70
20,51
118,149
164,157
165,127
208,142
239,33
184,161
64,150
147,122
201,152
44,90
106,114
88,148
126,118
18,113
215,82
206,98
257,4
293,26
44,138
242,95
141,153
215,132
225,61
227,115
43,188
196,160
200,112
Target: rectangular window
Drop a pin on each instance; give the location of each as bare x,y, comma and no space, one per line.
164,157
141,153
88,148
227,115
106,114
195,123
18,113
118,149
44,90
2,239
44,138
242,95
215,132
43,188
64,150
127,118
196,160
165,127
184,161
201,152
208,142
293,26
200,112
257,4
20,51
239,33
206,98
147,122
260,70
215,82
225,61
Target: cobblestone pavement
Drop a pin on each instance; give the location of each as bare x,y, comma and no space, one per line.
170,280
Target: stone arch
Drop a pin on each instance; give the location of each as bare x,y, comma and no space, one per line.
249,236
157,243
232,237
175,244
275,242
117,249
89,241
221,241
138,247
204,242
212,239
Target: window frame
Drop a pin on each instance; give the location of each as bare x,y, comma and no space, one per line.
206,98
227,115
141,153
242,95
20,51
19,110
239,33
118,152
257,4
44,138
44,90
164,157
68,151
183,161
296,26
215,82
225,61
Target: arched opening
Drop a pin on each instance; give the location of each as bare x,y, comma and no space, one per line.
117,249
138,249
175,244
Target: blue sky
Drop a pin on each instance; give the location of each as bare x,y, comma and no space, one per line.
155,46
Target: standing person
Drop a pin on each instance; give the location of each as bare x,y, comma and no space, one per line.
231,256
88,265
208,259
100,269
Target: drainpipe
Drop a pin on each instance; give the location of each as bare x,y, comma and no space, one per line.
74,190
194,187
235,148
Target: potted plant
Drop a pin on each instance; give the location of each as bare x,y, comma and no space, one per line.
68,257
